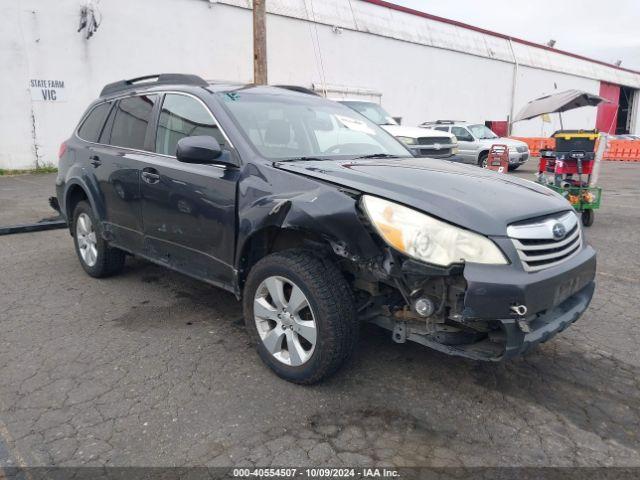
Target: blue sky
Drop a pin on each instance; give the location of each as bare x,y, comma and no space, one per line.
607,31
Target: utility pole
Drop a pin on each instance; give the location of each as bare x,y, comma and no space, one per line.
259,43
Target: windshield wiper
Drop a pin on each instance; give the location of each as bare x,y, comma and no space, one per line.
301,159
379,155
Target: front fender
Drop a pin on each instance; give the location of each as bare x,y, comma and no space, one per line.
324,210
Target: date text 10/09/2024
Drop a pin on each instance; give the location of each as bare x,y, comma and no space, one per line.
315,472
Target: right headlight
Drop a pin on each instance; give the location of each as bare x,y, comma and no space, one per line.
426,238
408,140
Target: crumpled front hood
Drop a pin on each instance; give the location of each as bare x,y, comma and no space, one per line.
468,196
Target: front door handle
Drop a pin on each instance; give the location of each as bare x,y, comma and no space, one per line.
150,175
95,161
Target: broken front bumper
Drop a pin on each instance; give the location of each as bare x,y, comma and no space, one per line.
511,340
555,298
493,289
546,325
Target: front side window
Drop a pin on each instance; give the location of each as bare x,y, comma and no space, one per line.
482,132
183,116
462,134
283,126
132,116
92,125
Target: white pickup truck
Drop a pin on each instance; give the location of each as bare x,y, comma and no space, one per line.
423,142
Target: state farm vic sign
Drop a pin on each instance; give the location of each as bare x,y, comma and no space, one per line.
43,90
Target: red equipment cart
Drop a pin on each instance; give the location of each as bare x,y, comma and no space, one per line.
498,158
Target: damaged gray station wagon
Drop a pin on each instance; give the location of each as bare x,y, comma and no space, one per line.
319,220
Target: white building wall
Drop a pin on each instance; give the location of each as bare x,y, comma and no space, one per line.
533,83
38,40
417,83
417,65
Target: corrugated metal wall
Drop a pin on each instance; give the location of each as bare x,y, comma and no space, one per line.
368,17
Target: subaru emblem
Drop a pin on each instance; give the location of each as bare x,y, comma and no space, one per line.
558,231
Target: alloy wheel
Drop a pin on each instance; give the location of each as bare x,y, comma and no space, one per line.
87,241
285,321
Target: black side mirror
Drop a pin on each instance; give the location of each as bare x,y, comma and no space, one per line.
199,149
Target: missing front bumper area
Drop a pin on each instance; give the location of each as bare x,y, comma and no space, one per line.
505,339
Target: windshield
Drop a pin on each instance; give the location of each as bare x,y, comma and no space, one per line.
481,132
286,126
372,111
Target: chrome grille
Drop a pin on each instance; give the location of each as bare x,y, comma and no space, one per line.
432,140
537,246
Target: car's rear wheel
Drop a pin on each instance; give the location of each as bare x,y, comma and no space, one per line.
299,312
97,258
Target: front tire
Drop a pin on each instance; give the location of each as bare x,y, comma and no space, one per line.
299,311
482,159
96,257
588,217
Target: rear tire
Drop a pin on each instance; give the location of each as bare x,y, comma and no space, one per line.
588,217
275,328
97,258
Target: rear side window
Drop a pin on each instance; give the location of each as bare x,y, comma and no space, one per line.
132,116
183,116
442,129
92,125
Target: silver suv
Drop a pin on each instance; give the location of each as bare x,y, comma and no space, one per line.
475,140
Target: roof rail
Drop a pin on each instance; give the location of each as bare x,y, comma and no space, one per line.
442,122
296,88
152,80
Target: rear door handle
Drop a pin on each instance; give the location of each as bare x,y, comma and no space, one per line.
95,160
150,175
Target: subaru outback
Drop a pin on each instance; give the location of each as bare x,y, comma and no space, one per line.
318,220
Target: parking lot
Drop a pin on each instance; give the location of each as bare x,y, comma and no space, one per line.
151,368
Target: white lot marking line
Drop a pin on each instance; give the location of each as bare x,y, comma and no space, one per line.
620,277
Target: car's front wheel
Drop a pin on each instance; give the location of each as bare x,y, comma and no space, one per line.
482,159
96,257
299,311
